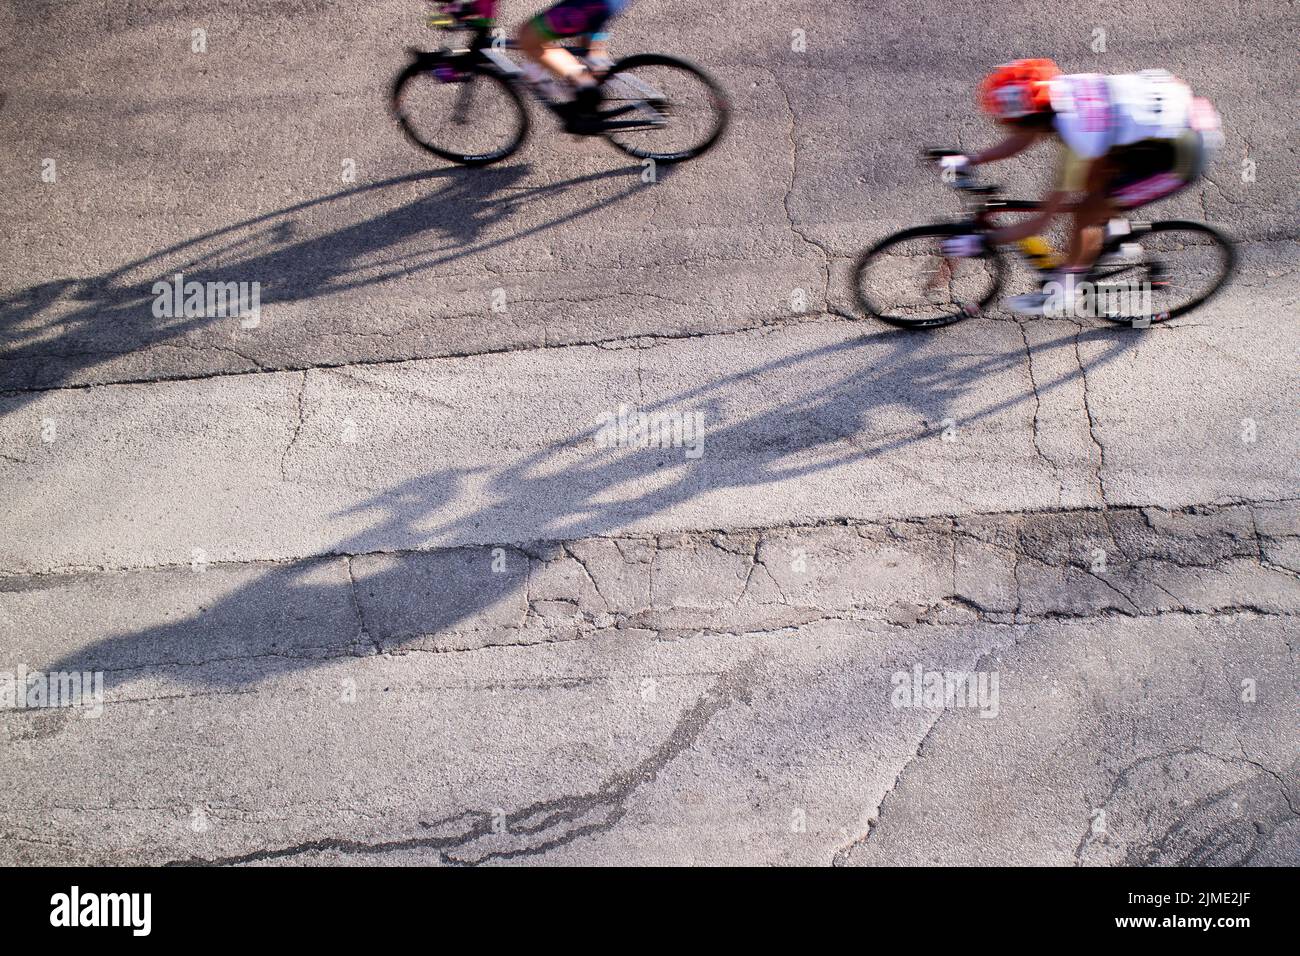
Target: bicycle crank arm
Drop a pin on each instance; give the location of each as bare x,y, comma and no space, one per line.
630,108
607,126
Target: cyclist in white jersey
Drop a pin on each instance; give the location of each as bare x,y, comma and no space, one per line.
1125,141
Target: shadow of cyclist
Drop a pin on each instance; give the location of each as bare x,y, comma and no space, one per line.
886,396
57,332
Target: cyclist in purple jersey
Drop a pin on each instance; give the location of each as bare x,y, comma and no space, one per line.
561,21
573,18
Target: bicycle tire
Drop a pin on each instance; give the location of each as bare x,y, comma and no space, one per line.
937,231
717,100
424,65
1227,267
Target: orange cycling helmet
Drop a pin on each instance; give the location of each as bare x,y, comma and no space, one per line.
1016,90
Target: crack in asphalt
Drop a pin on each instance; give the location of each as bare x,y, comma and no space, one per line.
844,853
1189,816
793,141
13,580
362,634
1038,408
545,825
297,430
1092,422
827,316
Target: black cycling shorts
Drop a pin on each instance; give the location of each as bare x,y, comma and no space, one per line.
1151,169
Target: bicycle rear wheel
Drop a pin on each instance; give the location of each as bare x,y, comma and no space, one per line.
459,110
662,108
1184,264
906,280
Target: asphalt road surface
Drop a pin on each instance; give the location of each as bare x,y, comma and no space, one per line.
364,582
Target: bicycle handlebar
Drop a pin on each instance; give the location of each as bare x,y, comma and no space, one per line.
964,179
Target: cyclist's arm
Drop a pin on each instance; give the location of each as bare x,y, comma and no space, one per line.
1017,142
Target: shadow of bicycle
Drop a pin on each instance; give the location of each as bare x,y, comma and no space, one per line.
857,390
60,332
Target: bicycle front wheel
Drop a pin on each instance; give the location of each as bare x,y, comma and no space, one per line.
906,280
464,113
662,108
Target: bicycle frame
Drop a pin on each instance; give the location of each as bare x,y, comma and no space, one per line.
635,98
980,217
1034,250
982,205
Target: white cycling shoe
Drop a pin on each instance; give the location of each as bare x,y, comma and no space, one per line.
1055,297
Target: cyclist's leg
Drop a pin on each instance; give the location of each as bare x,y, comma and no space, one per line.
598,59
1058,287
1091,212
538,46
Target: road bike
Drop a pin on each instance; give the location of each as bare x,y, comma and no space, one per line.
466,104
1147,272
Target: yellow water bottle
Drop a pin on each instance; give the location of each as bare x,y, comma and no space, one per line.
1039,252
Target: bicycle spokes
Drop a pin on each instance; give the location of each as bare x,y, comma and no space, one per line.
1182,265
638,101
463,110
459,110
908,280
658,107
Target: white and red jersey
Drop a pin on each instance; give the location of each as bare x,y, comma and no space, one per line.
1096,113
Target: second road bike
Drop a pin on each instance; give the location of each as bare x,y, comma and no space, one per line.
466,104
